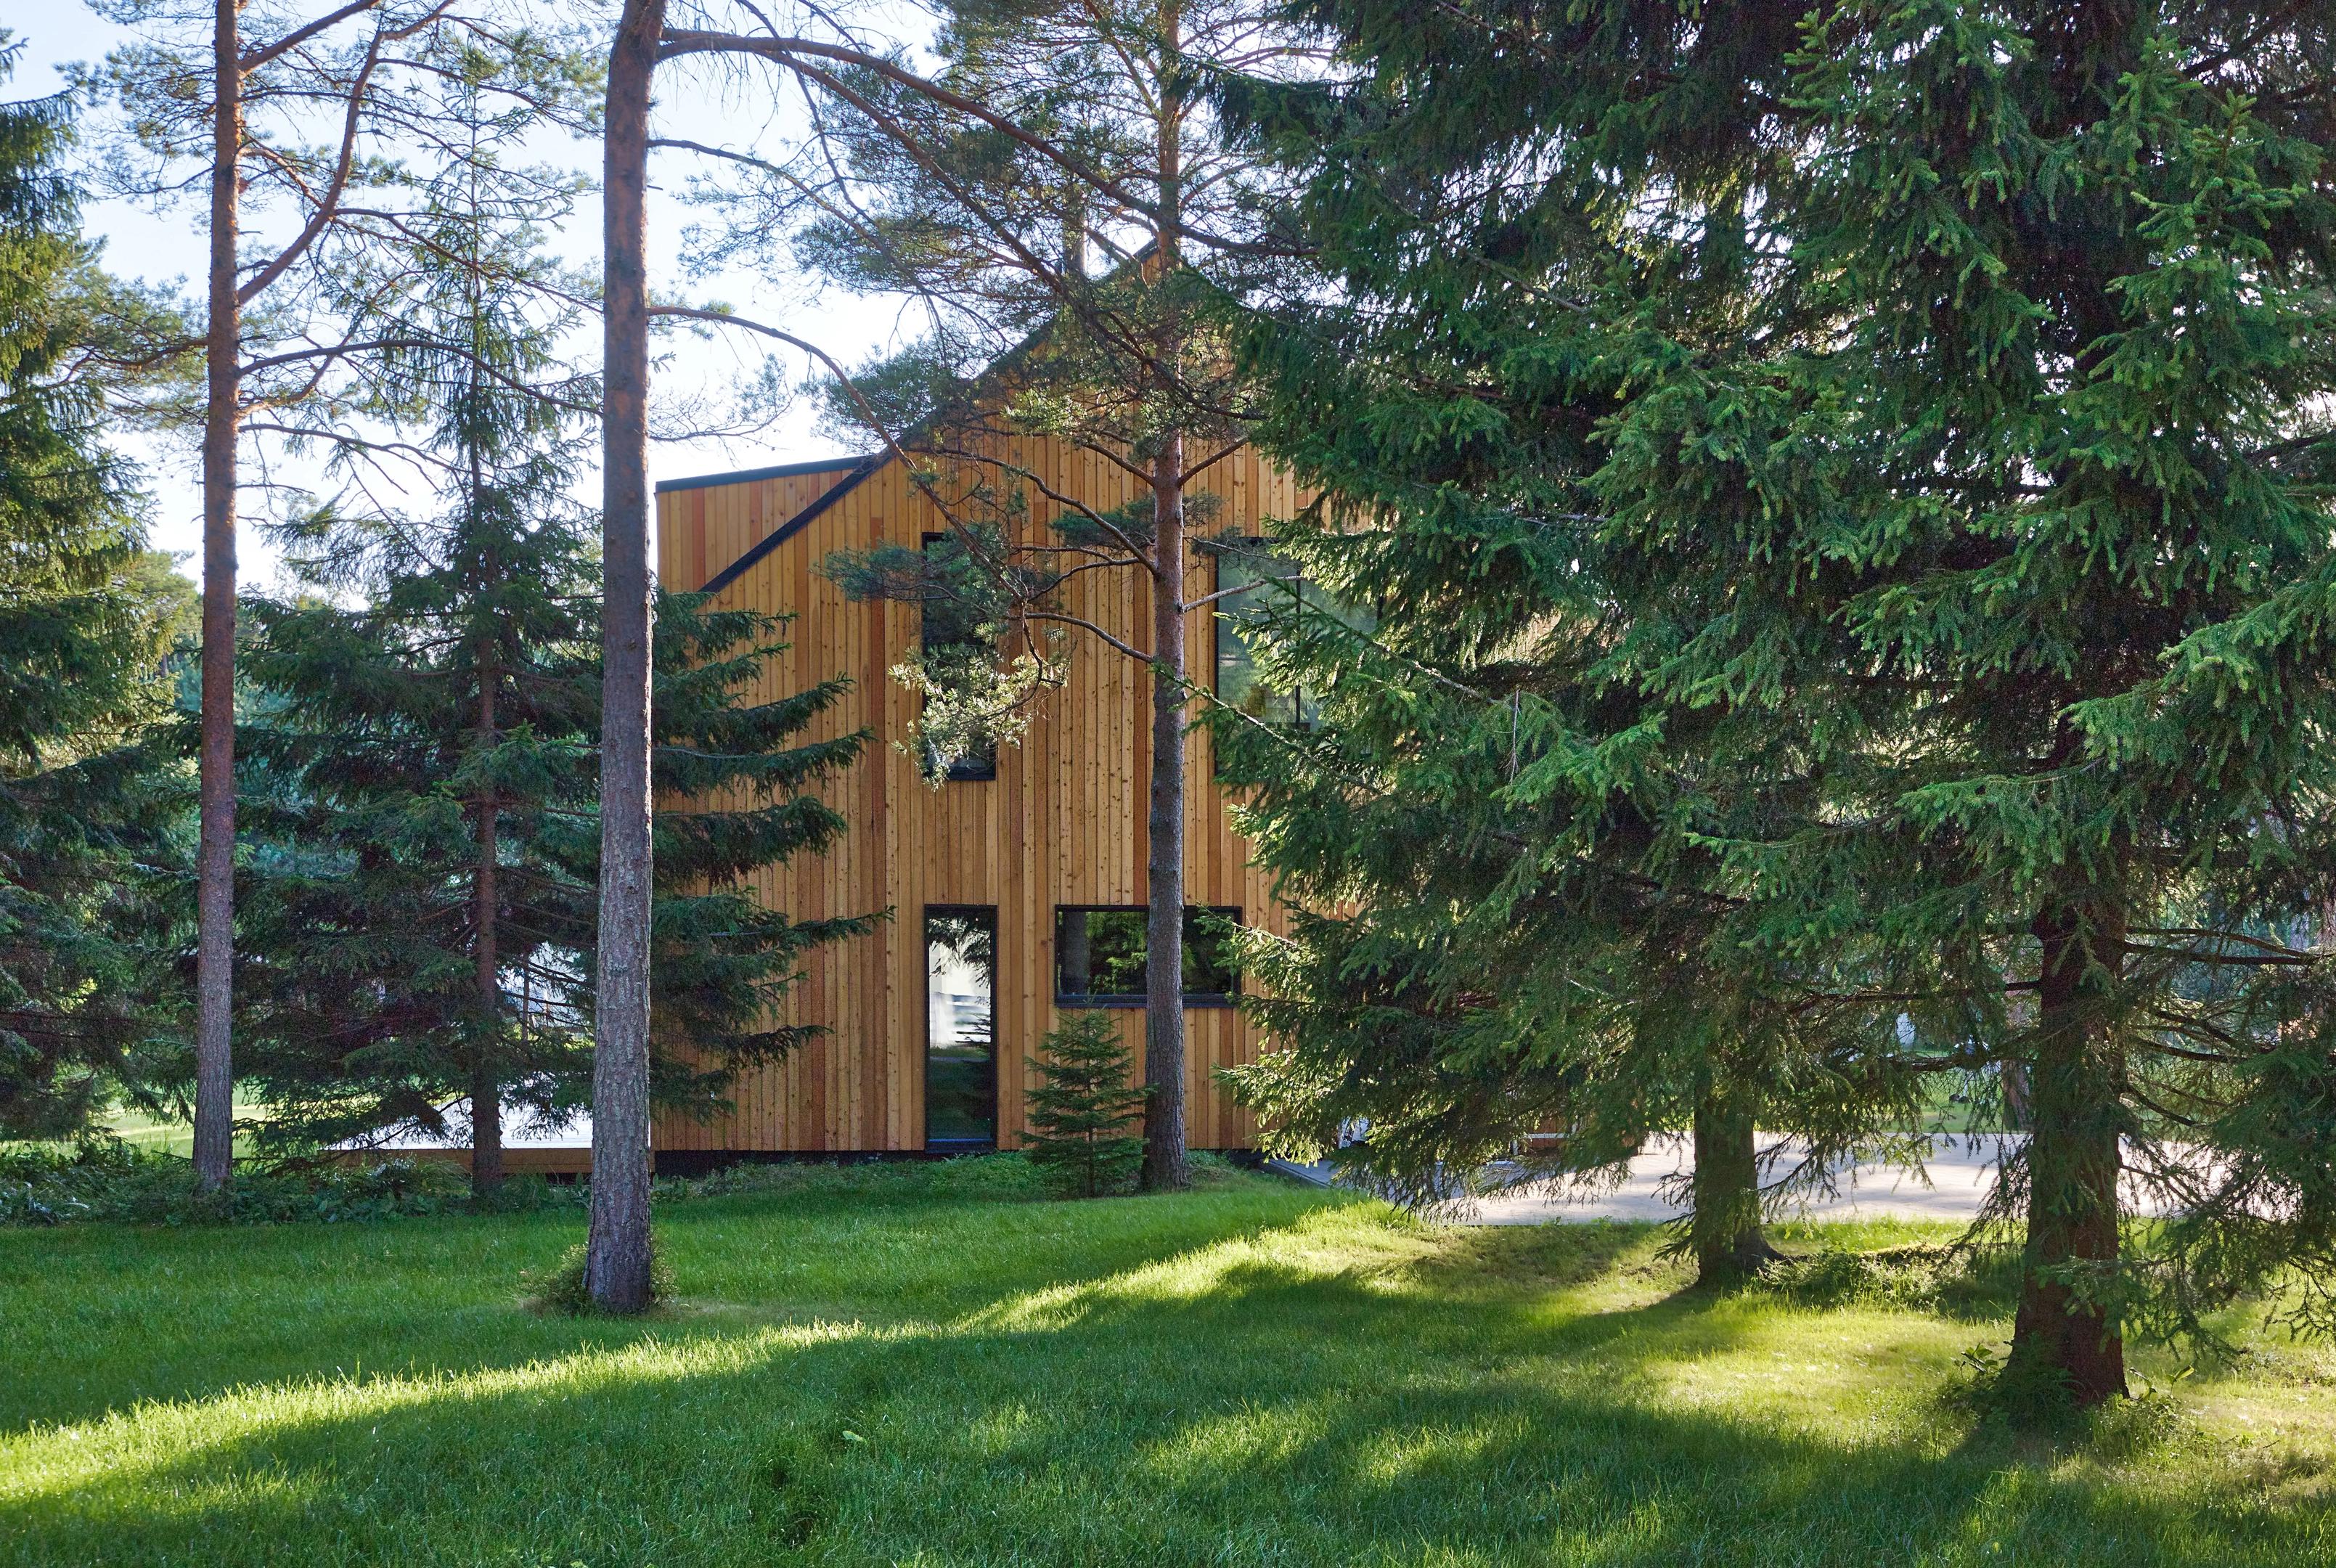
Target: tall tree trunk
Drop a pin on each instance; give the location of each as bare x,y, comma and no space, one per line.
1164,1167
1725,1226
2073,1162
215,848
616,1257
486,1083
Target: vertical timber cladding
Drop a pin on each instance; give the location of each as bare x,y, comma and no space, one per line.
1061,824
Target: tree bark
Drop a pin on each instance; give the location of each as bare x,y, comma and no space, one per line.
486,1083
1724,1224
2073,1162
617,1259
1164,1166
215,846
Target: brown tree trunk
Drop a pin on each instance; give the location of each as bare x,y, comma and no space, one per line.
486,1083
2073,1162
616,1256
1724,1224
215,847
1164,1167
2016,1117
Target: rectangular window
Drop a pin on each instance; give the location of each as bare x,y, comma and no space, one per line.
960,1028
1257,586
1099,955
944,624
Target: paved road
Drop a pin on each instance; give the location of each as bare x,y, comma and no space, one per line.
1951,1186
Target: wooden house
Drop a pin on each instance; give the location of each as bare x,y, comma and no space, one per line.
1038,859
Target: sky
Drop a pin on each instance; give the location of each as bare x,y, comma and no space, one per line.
168,246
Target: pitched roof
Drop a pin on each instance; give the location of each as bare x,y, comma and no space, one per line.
855,469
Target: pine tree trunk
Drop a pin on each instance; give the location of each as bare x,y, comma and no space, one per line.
617,1257
1725,1226
2073,1162
215,849
1164,1167
486,1084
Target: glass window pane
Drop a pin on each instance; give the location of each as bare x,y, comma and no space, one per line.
960,1028
1208,953
1099,954
1243,565
947,624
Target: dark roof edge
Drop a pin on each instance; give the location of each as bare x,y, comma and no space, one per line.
746,475
795,525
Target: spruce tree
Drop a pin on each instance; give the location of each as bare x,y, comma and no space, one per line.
421,925
739,774
1080,1113
90,791
419,756
1940,440
1533,930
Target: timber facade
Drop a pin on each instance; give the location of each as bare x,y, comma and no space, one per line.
1048,850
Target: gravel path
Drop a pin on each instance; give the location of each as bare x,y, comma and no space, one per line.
1949,1186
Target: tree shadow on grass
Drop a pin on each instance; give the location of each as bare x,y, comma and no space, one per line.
1235,1402
105,1317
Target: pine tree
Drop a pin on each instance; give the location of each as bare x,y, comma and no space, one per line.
89,790
220,103
1940,440
1080,1113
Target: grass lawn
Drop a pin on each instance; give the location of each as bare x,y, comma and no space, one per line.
892,1371
169,1134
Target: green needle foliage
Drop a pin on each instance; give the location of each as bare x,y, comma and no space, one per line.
1081,1111
420,760
1523,918
739,777
1847,498
89,794
418,763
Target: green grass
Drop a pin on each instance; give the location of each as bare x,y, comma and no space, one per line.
169,1134
894,1371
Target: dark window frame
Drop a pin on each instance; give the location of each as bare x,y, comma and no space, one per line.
960,1145
1063,998
959,770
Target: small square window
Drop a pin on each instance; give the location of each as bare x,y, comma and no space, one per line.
1099,955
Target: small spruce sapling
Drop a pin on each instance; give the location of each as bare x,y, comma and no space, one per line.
1081,1114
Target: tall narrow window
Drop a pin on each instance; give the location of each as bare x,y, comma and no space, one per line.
960,1028
1257,586
948,625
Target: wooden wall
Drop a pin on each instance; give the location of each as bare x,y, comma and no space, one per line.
1061,824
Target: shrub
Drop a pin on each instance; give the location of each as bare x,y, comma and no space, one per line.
106,1179
1079,1115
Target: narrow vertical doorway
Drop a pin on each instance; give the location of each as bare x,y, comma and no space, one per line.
960,1028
